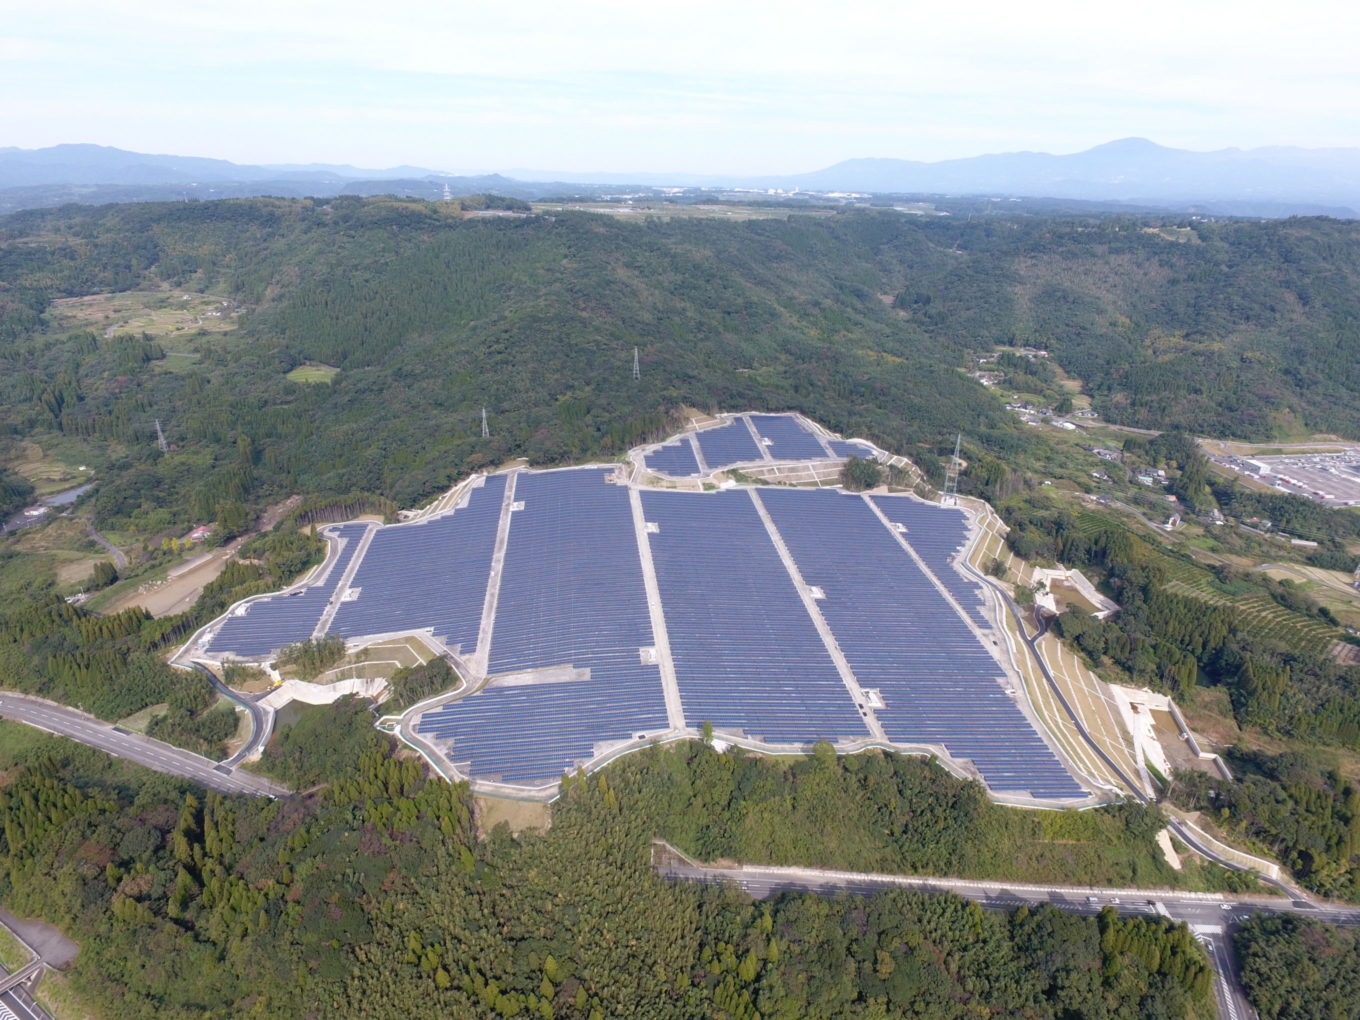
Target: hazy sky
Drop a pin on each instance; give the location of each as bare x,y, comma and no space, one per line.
697,86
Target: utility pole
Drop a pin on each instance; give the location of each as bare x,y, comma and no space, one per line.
637,369
486,431
160,438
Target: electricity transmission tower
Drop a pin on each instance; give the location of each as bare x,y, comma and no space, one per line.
637,368
950,495
486,431
160,438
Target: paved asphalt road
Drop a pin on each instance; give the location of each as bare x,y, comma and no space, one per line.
154,754
1210,915
118,558
261,718
21,1005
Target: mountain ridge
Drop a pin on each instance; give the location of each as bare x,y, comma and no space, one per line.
1267,181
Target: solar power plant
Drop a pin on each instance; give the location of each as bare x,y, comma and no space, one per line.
571,594
431,574
747,655
938,534
270,624
572,657
789,439
728,444
674,459
938,682
843,448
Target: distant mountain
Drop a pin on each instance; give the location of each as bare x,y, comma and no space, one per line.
1276,181
101,164
1265,182
99,174
1131,170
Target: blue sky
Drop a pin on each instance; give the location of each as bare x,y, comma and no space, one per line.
730,87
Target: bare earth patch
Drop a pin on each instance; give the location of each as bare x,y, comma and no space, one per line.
178,592
74,571
520,815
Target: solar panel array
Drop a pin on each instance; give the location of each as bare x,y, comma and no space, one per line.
747,656
728,444
851,448
270,624
571,594
938,534
789,439
431,574
939,683
675,459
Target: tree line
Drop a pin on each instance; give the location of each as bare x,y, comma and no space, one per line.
374,896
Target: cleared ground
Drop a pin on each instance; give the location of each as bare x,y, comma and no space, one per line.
518,815
312,374
160,313
179,589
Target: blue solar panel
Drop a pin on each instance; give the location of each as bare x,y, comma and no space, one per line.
851,448
728,444
747,655
536,732
431,574
939,683
789,440
269,624
572,595
938,534
674,459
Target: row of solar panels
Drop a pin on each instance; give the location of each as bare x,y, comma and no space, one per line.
571,593
938,681
783,437
431,574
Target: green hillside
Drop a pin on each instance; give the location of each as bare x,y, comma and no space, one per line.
861,319
429,317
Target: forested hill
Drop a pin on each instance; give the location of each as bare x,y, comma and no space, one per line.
862,319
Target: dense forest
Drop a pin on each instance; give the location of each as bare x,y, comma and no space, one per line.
374,897
1295,968
861,319
882,812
